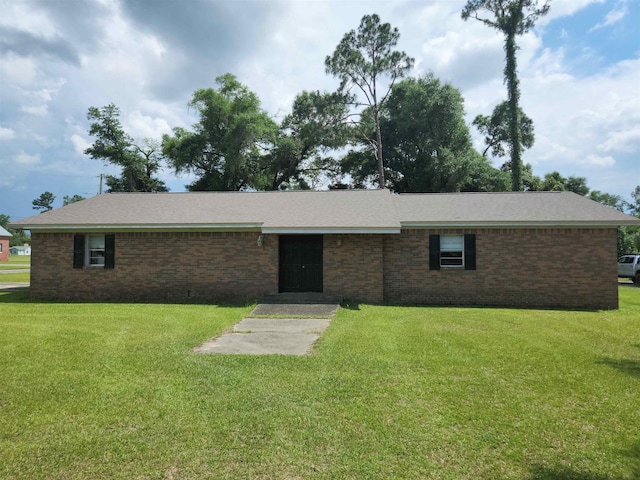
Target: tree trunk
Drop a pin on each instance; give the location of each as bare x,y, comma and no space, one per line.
513,92
381,180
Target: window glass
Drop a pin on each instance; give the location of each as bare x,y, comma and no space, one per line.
95,250
452,251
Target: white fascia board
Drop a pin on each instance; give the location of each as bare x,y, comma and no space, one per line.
225,227
329,231
549,224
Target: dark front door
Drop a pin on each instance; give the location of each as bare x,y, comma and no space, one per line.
301,263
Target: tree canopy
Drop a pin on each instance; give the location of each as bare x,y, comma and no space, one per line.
44,202
511,18
428,144
226,147
18,237
495,129
71,199
307,137
364,59
114,146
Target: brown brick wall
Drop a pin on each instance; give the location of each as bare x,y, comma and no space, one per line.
4,250
354,269
565,268
164,267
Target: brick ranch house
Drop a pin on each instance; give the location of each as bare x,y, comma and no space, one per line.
533,249
4,245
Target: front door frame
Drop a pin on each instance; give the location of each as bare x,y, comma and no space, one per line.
300,259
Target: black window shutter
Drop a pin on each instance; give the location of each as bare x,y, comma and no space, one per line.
469,252
109,251
434,252
78,251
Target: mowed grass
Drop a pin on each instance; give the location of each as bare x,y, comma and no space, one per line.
114,391
16,262
15,277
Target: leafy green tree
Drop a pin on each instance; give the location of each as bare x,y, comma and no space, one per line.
613,201
113,145
226,149
44,202
511,18
577,185
307,137
635,206
628,237
428,145
18,237
67,199
554,182
495,129
364,59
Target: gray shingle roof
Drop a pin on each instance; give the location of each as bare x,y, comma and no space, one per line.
4,233
336,211
506,208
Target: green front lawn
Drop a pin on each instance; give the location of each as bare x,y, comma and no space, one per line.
15,277
16,262
113,391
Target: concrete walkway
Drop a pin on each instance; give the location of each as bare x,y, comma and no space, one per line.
274,335
14,285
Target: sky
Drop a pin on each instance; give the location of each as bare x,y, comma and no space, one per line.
579,72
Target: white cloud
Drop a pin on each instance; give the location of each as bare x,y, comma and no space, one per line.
613,17
627,140
584,125
39,110
17,71
7,180
25,159
562,8
141,126
6,134
25,17
80,144
598,161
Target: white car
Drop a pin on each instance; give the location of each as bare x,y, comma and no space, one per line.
629,267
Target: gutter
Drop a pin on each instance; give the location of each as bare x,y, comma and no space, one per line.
540,224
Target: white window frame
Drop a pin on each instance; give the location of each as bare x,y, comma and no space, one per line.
93,246
452,251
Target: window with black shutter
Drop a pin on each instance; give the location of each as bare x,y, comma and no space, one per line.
434,252
78,251
452,251
109,251
94,251
469,252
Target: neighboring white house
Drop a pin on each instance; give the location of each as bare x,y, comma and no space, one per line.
26,250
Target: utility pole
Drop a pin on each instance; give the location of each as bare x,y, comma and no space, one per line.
100,191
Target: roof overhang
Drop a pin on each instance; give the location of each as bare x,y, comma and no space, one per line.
546,224
331,230
220,227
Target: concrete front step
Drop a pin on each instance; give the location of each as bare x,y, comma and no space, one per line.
302,298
